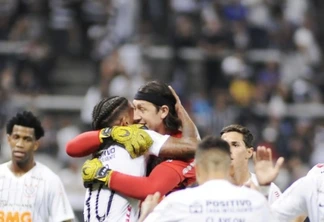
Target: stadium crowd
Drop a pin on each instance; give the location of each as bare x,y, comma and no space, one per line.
249,62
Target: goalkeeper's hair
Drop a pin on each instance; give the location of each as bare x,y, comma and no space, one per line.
171,121
107,110
26,119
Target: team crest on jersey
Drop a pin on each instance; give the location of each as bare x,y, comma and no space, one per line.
30,188
3,203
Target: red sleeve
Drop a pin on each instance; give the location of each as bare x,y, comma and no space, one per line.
83,144
163,178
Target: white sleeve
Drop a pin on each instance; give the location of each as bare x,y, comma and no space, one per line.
60,208
292,202
159,140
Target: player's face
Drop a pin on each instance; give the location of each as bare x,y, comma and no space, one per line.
23,144
147,114
239,152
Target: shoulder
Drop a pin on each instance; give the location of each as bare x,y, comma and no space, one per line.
46,172
254,195
317,169
156,135
4,167
172,162
182,195
183,167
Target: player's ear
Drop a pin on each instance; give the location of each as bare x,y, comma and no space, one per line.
164,111
124,121
249,153
36,145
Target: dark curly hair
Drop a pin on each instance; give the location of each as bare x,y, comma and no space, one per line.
26,119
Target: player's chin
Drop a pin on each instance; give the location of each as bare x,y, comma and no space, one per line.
19,157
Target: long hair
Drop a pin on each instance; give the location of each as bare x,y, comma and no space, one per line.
171,121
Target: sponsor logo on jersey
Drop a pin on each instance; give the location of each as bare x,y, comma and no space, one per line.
14,216
228,206
108,154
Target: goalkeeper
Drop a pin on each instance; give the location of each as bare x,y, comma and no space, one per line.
118,111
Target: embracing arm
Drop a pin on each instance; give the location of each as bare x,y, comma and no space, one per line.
83,144
162,179
184,147
179,148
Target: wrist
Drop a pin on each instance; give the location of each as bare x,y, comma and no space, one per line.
104,133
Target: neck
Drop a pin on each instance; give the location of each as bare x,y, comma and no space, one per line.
20,169
241,176
162,130
205,177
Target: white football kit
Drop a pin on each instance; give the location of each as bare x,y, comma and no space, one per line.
274,191
303,197
36,196
102,204
213,201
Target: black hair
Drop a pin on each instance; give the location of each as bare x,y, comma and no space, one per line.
214,143
107,110
26,119
247,135
172,121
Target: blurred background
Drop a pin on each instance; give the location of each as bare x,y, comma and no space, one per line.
258,63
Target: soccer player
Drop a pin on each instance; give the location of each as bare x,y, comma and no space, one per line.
29,191
304,197
216,199
240,140
159,108
102,204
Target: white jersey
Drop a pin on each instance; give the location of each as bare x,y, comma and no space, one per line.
102,204
213,201
274,191
317,169
36,196
303,197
